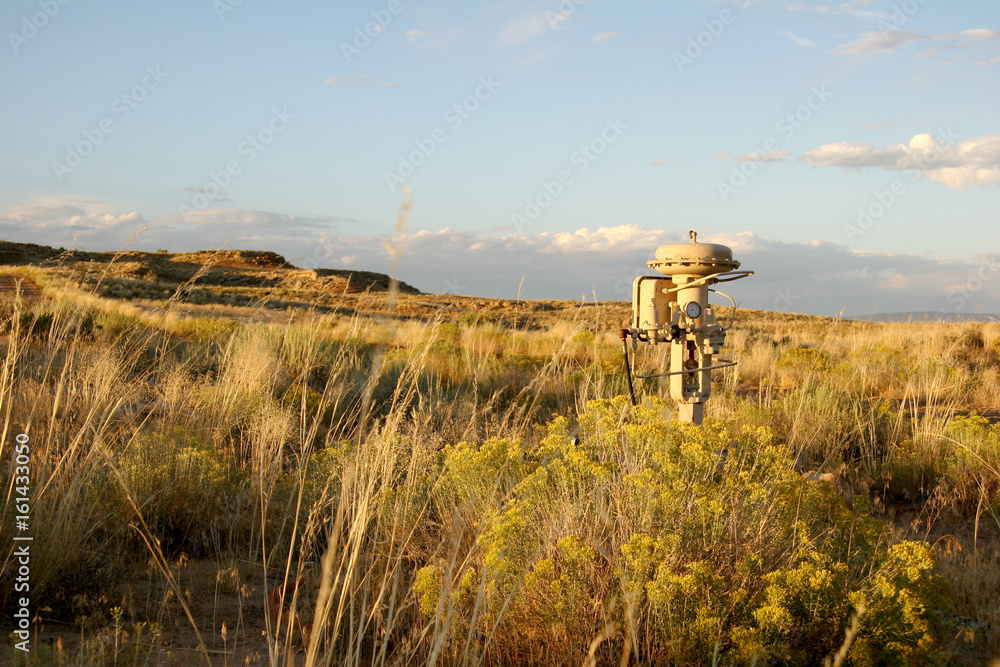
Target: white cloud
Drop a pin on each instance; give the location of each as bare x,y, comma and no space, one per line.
884,19
37,213
414,35
991,61
970,37
249,219
817,277
798,41
879,41
850,8
823,277
357,81
973,162
605,36
523,29
70,226
773,156
883,41
534,58
844,7
211,193
51,221
958,178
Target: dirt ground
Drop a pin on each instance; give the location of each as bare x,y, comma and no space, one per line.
141,621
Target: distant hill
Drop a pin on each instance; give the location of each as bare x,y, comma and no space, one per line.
222,268
928,316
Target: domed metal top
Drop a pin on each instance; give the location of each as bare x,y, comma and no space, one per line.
700,259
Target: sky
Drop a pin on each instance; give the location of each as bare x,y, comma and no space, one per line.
848,153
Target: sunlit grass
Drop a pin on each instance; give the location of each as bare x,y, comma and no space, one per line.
464,490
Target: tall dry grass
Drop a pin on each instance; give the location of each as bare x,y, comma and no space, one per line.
399,492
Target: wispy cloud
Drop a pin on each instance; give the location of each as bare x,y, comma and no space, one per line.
970,37
605,36
884,41
32,222
39,213
879,41
868,16
843,8
414,35
534,58
357,81
281,224
773,156
524,28
212,193
100,229
973,162
798,41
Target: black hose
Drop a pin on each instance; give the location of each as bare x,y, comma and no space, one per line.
628,367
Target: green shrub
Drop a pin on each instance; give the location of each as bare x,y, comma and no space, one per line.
185,492
972,461
718,543
36,324
805,359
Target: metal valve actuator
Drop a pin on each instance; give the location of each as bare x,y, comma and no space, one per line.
674,310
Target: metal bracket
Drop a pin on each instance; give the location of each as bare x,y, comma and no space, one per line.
732,275
636,336
726,363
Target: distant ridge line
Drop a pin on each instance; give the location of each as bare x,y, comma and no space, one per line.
928,316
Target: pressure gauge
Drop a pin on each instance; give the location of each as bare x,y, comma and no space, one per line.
693,310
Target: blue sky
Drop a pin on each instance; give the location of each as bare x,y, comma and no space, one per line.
849,153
